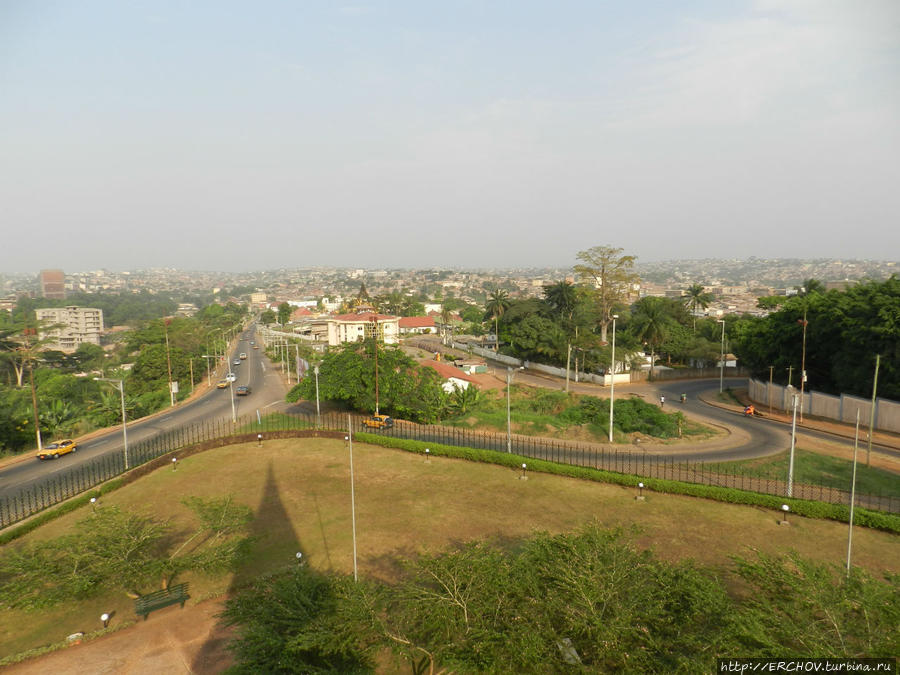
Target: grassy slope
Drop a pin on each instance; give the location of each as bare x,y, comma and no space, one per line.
299,489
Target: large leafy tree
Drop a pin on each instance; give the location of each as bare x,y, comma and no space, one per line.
405,389
612,277
284,313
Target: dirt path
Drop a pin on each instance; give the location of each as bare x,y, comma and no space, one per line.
171,640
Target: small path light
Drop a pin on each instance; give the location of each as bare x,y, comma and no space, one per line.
523,476
174,463
94,503
258,440
299,558
640,495
785,509
105,619
427,456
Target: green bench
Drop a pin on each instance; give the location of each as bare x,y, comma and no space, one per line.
176,594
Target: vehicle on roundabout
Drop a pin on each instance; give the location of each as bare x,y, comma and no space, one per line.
242,390
54,450
230,377
237,362
378,422
222,384
243,356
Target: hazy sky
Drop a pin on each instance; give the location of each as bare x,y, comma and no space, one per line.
229,135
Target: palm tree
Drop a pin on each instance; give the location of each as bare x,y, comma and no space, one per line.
809,287
650,324
696,298
562,297
497,304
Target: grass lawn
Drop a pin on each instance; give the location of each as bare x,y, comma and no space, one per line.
818,469
537,412
299,490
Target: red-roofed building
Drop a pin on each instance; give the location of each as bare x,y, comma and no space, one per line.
417,325
300,313
453,377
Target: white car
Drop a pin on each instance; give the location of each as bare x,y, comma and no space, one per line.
230,377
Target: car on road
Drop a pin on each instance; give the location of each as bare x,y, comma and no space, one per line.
231,377
237,362
378,422
243,356
242,390
255,346
222,384
54,450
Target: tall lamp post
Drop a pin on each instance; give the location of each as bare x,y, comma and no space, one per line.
121,387
509,374
612,378
169,363
318,413
722,358
804,323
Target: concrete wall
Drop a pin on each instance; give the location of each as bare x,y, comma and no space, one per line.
838,408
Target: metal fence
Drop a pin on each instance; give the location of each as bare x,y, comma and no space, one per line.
63,485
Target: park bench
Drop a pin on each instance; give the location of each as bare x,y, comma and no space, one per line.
158,599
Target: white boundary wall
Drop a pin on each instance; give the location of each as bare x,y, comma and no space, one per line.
839,408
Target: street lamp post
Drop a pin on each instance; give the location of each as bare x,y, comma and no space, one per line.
790,481
169,363
318,412
722,358
612,377
509,374
804,322
121,387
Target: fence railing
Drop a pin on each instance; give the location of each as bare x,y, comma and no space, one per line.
63,485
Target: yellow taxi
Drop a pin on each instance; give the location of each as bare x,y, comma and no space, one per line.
54,450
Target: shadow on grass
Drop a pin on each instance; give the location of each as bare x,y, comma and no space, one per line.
270,515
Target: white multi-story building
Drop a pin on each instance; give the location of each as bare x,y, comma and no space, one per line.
342,328
68,327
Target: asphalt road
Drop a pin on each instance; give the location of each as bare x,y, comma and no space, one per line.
267,391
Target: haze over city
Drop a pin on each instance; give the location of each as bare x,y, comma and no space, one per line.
230,136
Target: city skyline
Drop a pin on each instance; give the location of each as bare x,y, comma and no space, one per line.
403,135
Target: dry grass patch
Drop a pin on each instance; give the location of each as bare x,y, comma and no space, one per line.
299,490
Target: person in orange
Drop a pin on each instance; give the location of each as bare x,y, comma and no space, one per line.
750,410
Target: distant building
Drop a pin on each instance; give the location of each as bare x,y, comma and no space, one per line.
53,284
69,327
341,328
417,325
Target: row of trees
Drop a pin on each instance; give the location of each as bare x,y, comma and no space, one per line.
51,391
572,321
844,331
